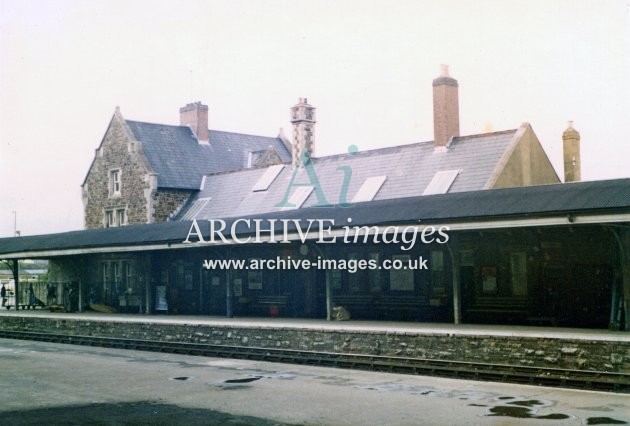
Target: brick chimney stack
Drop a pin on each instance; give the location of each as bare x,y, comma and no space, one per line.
303,120
445,108
195,116
571,149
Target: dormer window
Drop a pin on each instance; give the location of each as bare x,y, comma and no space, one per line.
114,183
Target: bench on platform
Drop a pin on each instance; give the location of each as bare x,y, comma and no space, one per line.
505,308
360,306
24,306
398,307
270,305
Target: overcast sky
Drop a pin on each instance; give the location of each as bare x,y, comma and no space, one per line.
366,65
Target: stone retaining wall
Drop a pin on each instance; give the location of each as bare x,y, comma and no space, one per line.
527,351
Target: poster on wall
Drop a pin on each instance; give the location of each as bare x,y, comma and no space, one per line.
254,280
160,298
489,279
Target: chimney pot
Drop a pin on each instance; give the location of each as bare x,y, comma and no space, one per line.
303,120
195,116
571,153
445,108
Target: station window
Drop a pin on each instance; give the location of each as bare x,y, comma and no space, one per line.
121,217
374,275
116,272
114,183
127,274
438,277
116,217
401,277
109,219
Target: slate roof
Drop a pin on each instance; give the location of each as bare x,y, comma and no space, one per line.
180,161
608,196
409,169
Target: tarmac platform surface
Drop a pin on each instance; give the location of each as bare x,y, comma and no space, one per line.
50,383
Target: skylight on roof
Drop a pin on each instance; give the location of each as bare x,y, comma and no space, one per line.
369,189
300,195
267,178
197,206
441,182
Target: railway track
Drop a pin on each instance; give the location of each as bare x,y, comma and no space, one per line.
555,377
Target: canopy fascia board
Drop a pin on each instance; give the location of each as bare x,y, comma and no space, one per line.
562,220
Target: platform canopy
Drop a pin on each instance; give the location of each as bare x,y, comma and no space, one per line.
596,202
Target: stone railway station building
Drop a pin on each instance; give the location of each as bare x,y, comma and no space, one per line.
522,247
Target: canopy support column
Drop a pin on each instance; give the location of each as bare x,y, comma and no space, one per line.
457,296
229,296
16,280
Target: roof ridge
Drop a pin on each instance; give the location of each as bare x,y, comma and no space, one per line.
210,130
366,152
373,150
243,134
480,135
153,124
408,145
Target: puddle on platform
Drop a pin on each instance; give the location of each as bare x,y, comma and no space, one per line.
604,421
523,413
243,380
181,378
233,384
523,409
273,375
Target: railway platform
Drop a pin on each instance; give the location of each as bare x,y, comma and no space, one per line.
395,327
474,351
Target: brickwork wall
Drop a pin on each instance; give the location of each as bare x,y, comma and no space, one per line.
167,201
116,155
528,351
